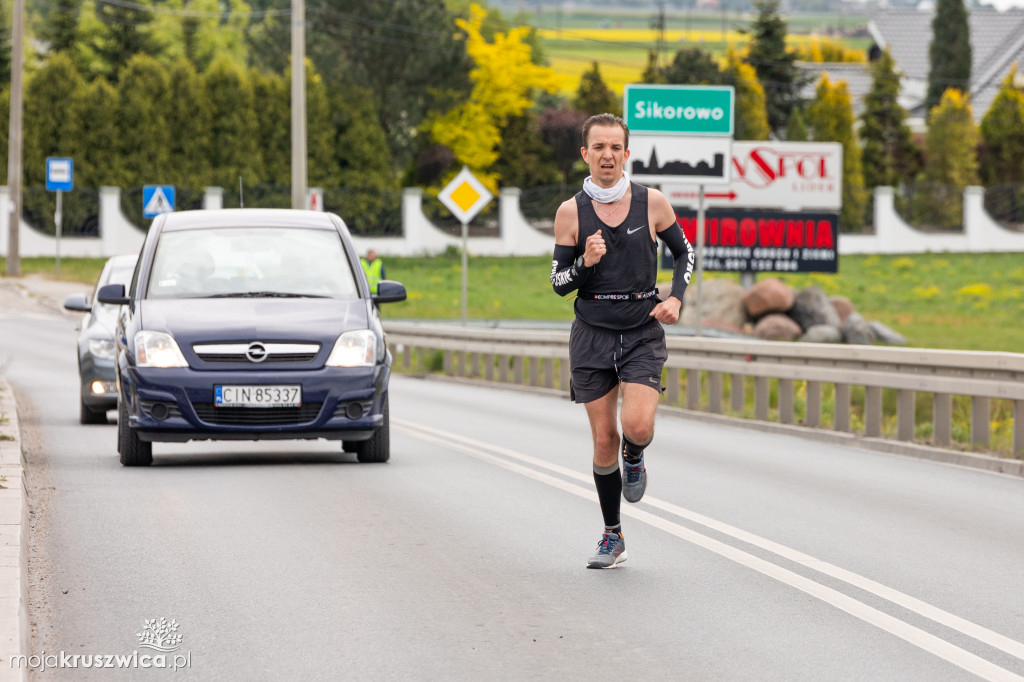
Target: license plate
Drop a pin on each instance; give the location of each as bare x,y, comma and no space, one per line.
257,396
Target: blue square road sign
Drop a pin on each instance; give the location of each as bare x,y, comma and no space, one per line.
157,199
60,174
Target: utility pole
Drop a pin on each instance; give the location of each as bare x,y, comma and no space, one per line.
14,140
298,103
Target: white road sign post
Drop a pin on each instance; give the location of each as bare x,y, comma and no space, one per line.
681,133
60,178
465,196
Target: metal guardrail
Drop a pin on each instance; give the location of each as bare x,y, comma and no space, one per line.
697,369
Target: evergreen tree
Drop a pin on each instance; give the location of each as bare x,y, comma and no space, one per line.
323,166
144,152
96,134
404,52
59,25
889,154
692,66
1002,129
951,161
524,160
5,47
360,146
5,128
774,64
593,96
48,119
125,33
231,152
949,55
751,116
561,131
273,125
830,116
188,127
796,127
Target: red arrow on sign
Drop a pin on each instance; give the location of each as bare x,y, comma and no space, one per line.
731,196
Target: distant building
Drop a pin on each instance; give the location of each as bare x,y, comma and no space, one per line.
997,41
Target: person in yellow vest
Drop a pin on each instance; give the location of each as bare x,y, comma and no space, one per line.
374,269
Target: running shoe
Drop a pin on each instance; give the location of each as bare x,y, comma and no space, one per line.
611,552
634,480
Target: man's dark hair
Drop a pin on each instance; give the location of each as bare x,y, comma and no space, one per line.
604,120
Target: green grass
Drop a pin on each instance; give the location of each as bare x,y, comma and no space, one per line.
956,301
71,269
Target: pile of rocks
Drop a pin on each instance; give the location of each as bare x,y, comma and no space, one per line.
774,311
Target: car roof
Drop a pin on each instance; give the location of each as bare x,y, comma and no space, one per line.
123,260
247,217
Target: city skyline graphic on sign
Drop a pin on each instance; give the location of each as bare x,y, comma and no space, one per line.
701,168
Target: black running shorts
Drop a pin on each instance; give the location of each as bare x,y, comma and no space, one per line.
600,359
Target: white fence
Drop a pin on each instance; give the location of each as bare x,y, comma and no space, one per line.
698,370
515,236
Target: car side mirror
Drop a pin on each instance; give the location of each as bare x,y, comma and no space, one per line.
389,291
112,294
78,303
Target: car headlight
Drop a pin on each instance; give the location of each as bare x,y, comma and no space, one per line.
354,349
102,348
157,349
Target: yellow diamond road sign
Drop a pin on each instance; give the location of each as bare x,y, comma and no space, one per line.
465,196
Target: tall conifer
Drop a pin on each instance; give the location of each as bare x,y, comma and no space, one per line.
949,54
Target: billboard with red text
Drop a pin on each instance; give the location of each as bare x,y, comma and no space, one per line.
765,241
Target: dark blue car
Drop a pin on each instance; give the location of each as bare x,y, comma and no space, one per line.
251,324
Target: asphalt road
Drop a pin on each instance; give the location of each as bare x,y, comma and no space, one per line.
753,556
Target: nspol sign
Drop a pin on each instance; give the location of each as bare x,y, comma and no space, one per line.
789,175
805,170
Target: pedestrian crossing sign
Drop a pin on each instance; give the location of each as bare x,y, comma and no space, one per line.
157,199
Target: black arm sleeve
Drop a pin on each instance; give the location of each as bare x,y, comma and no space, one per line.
682,252
568,272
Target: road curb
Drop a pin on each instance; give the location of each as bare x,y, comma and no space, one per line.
13,540
999,465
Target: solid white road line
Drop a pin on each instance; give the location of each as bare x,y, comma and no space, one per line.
924,640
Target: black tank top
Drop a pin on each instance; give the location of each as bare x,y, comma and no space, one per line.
629,266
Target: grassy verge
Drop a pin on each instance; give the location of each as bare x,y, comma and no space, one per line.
84,270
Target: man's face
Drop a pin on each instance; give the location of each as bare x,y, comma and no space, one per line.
606,154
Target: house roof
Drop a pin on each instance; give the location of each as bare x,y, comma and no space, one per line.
997,41
856,74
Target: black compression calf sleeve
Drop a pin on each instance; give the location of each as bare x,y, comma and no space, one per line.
609,493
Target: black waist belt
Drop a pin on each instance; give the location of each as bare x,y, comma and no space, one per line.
641,296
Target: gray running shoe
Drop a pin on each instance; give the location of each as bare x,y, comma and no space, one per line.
611,552
634,480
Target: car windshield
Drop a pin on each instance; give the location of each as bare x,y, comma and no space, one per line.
251,262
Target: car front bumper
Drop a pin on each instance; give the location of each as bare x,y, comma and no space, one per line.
176,405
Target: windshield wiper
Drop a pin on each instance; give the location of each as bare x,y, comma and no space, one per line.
264,294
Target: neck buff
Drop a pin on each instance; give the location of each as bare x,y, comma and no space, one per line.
606,195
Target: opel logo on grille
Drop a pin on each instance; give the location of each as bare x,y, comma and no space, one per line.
256,352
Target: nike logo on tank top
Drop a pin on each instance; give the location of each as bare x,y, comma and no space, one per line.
630,265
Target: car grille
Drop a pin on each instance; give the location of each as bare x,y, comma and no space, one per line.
257,416
239,353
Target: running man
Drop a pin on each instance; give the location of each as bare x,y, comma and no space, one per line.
606,246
